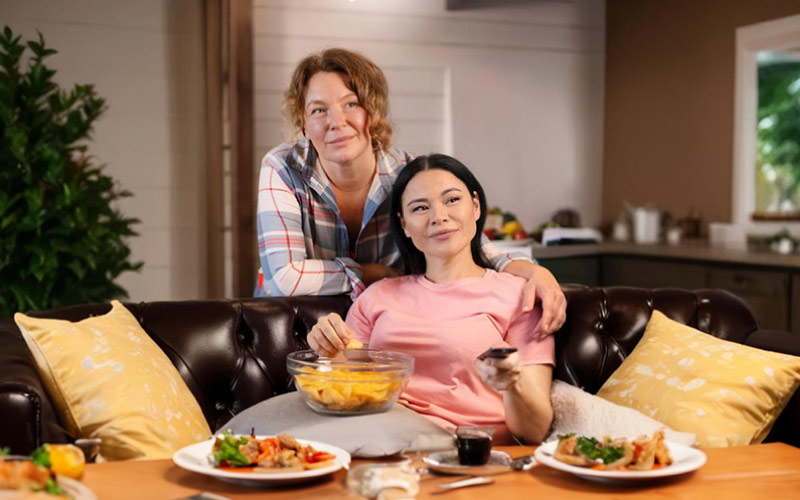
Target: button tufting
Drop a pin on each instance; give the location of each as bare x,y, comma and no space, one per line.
219,405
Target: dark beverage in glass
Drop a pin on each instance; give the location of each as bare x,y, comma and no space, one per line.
474,445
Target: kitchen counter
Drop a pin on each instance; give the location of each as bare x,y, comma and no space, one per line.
696,250
768,282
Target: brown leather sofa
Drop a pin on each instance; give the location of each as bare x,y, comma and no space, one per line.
232,353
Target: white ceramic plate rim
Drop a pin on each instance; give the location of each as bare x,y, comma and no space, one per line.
685,459
78,490
434,461
194,458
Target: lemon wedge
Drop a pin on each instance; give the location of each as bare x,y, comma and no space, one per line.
66,460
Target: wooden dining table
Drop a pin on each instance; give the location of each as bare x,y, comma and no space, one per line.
758,471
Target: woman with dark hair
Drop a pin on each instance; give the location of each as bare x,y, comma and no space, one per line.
323,200
450,309
413,258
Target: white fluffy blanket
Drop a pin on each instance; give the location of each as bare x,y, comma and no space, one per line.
589,415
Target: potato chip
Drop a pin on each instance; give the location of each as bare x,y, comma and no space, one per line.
354,343
346,390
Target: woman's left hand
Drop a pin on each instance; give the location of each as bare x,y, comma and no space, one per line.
541,285
499,374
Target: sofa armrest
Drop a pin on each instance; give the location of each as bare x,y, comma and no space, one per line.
785,429
28,415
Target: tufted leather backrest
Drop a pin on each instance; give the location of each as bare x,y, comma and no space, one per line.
604,325
232,354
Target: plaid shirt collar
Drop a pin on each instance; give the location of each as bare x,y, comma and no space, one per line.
303,159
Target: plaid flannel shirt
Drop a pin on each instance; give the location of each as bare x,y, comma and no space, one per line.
303,243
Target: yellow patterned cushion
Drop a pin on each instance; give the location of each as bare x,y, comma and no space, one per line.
109,380
726,393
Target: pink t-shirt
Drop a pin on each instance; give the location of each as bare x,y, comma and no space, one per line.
445,327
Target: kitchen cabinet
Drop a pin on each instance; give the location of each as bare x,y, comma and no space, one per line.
652,273
766,292
773,294
583,270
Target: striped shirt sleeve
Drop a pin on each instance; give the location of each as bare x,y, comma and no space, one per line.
282,246
499,259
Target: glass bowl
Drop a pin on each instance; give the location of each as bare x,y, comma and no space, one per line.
361,381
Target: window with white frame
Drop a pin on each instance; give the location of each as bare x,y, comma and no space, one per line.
767,122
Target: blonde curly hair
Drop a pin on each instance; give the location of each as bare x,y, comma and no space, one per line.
361,76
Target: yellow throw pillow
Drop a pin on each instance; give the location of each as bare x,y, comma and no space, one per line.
109,380
727,393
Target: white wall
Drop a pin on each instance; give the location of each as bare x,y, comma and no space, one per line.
515,91
145,58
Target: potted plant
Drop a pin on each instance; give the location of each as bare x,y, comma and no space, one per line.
62,241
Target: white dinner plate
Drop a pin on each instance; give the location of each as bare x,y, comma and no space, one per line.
76,489
684,459
447,462
195,457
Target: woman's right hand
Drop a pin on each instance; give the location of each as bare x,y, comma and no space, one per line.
330,335
499,374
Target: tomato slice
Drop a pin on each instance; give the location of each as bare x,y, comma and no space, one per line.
319,456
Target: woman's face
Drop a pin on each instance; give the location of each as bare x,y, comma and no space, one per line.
439,213
334,120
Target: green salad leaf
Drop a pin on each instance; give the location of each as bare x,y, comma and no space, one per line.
593,449
41,456
4,451
52,487
228,451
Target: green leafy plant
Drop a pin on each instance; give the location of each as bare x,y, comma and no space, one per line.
62,241
778,153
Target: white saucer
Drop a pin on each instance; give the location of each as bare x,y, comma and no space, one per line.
447,462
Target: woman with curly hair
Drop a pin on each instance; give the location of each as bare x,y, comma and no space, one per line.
323,200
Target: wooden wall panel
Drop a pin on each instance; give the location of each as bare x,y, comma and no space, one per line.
669,102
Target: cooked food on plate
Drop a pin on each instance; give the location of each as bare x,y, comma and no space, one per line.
37,474
642,453
279,454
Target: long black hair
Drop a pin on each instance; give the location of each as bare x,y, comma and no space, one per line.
413,258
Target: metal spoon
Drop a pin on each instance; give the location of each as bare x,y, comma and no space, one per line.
463,483
523,463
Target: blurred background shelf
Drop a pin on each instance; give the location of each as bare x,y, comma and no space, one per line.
768,282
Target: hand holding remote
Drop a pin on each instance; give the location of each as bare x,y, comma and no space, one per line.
498,367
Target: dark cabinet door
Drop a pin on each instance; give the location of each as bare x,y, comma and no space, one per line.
766,292
581,270
651,273
772,295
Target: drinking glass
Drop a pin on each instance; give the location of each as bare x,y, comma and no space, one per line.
474,444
